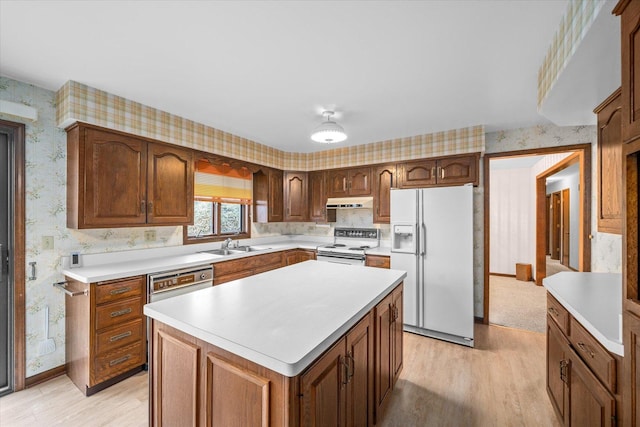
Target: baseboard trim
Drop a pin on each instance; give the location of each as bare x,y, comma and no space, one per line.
45,376
502,275
477,319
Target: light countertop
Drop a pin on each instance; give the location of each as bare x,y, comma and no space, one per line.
282,319
594,300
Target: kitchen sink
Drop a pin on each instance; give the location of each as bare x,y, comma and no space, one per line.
220,252
232,251
242,249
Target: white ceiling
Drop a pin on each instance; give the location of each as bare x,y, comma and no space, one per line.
264,70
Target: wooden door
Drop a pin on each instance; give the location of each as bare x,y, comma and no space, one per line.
115,171
317,197
609,164
323,402
383,181
557,370
630,29
296,198
547,220
170,176
275,206
631,369
417,174
384,355
360,182
338,183
566,227
457,170
556,210
590,403
397,333
359,392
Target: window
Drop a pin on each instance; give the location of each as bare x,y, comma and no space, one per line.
221,206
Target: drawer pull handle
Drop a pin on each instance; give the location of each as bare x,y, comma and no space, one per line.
120,360
121,312
586,349
120,290
553,311
120,336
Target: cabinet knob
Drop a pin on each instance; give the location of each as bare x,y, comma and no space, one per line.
142,207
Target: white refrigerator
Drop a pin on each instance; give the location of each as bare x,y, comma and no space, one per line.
432,240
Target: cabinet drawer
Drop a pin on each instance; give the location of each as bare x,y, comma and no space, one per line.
119,289
268,259
118,312
594,355
378,261
218,280
558,313
234,266
118,361
119,336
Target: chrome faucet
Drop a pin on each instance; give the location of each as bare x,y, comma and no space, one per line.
225,244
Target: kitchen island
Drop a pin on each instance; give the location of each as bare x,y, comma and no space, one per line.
312,342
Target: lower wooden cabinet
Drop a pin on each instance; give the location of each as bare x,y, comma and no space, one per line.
581,375
380,261
295,256
105,332
226,271
631,375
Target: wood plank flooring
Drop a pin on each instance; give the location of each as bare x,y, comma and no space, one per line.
501,382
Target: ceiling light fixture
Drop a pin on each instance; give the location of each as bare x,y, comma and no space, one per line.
329,132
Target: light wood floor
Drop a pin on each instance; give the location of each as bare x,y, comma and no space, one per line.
501,382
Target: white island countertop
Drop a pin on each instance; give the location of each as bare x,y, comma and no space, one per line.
594,300
282,319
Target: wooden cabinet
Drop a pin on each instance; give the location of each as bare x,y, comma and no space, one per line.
318,198
629,12
119,180
268,202
105,332
581,374
384,178
296,199
295,256
444,171
349,182
609,164
631,374
233,269
379,261
388,323
336,390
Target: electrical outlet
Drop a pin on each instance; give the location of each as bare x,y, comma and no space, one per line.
47,243
150,236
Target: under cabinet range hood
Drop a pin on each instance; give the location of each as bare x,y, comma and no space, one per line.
350,203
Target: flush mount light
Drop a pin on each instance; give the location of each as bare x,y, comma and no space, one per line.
328,132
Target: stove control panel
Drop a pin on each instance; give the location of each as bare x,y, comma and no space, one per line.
362,233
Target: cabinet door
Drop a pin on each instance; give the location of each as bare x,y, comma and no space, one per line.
295,196
359,392
114,180
397,333
360,182
590,402
276,203
557,362
383,180
323,386
417,174
317,197
609,162
292,257
384,355
631,376
338,183
169,185
306,255
457,170
630,29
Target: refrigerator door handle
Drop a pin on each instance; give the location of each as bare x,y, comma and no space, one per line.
423,240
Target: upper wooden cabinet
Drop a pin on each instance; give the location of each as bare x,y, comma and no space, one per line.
384,178
609,164
296,200
119,180
629,12
349,182
268,203
452,170
317,196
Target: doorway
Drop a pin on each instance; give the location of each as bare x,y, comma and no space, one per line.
12,257
541,237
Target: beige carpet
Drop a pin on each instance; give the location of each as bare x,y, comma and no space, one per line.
554,266
516,304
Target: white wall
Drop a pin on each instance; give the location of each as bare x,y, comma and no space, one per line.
571,180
